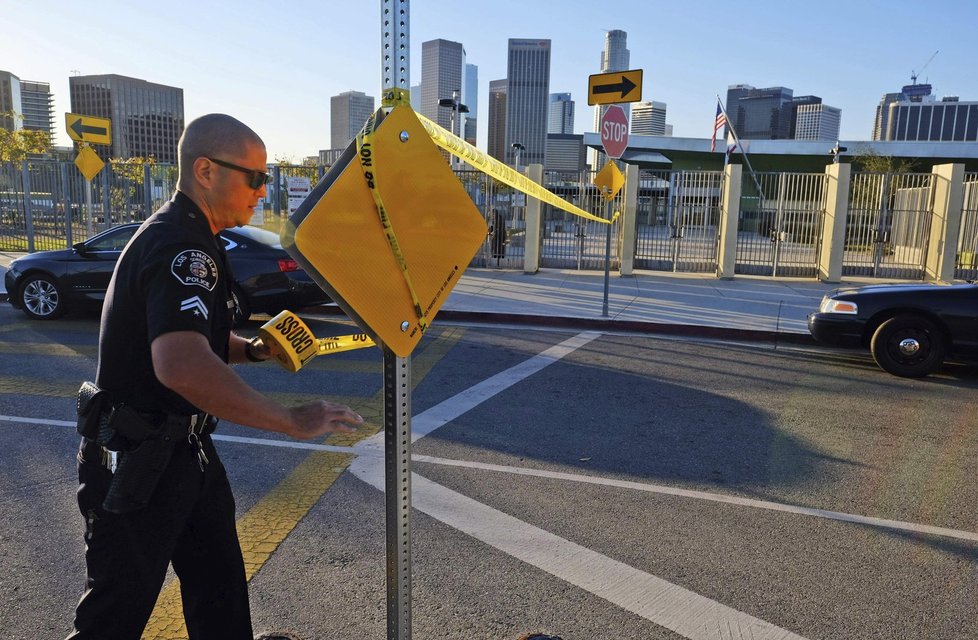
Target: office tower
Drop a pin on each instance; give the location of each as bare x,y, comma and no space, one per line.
147,118
649,118
882,123
442,78
10,101
817,121
565,152
527,100
416,97
348,112
614,57
37,105
471,99
496,142
561,117
948,120
760,114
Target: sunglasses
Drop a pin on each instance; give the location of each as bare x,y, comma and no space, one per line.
257,178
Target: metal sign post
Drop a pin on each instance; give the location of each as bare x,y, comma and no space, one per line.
395,65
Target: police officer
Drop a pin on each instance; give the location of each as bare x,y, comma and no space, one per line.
164,349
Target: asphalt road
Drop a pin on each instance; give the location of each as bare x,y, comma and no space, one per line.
616,487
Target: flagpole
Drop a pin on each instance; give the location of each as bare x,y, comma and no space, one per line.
743,151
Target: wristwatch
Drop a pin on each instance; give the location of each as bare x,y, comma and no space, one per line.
254,347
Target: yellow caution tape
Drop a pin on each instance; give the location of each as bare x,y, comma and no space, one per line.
296,345
365,150
496,169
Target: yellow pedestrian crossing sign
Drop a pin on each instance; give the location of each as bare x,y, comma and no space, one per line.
610,180
88,162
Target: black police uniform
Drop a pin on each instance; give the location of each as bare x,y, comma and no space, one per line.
172,276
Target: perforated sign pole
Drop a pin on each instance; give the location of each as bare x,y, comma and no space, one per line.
394,60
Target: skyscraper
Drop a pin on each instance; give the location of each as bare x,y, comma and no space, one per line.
817,121
37,104
527,100
348,112
760,114
442,74
147,118
10,101
914,114
561,118
649,118
614,57
496,143
471,100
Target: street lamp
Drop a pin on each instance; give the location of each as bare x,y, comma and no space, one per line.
456,107
517,148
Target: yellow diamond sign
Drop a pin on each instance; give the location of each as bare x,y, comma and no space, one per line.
388,231
88,162
610,180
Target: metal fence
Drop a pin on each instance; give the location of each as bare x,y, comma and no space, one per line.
678,220
888,225
505,216
42,203
779,231
966,259
571,242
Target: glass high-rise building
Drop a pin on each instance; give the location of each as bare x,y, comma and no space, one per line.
37,104
760,114
614,57
527,100
561,118
471,100
147,118
348,112
916,115
649,118
496,142
10,101
442,77
817,122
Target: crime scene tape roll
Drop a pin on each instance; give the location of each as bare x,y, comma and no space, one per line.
297,345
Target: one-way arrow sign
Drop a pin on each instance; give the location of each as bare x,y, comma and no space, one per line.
88,128
615,87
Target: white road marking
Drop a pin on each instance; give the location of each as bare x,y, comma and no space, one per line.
704,495
659,601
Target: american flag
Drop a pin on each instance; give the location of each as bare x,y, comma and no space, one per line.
718,124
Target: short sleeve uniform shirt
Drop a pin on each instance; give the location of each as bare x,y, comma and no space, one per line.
172,276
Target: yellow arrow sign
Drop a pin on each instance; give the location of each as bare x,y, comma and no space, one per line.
88,162
610,180
88,128
615,87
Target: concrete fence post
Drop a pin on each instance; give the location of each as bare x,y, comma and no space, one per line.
945,222
837,178
534,219
729,219
629,217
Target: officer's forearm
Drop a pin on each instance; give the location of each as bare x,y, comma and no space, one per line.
184,363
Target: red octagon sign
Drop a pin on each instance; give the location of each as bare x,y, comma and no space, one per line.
614,131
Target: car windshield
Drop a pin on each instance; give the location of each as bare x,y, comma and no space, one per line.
262,236
112,240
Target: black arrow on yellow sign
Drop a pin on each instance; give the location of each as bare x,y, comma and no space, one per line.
82,129
624,87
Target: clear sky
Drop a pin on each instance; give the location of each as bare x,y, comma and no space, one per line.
275,65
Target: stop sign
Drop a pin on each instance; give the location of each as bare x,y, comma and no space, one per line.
614,131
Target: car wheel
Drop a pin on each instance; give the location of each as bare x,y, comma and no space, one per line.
242,310
909,346
41,298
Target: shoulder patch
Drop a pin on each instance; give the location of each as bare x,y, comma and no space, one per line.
194,267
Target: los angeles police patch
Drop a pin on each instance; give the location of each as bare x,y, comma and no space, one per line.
195,267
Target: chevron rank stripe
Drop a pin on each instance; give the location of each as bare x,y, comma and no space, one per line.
196,305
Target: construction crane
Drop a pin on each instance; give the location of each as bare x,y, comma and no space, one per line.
914,74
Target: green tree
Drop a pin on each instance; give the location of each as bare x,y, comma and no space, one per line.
15,145
873,162
126,191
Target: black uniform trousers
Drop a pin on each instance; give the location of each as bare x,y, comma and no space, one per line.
189,521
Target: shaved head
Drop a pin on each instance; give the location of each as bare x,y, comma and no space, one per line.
215,134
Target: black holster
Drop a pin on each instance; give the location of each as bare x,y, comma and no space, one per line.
141,465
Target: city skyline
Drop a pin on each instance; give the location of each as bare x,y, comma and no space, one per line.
277,75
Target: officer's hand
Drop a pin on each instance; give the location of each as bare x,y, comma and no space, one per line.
321,417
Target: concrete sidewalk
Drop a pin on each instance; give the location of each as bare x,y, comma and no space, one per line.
747,307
